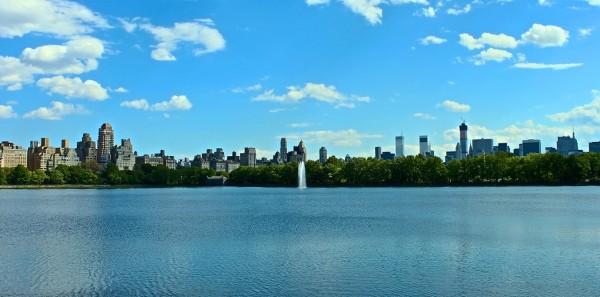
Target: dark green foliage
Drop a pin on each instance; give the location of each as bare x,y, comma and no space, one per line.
19,176
3,176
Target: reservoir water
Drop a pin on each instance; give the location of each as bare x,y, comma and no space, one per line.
333,242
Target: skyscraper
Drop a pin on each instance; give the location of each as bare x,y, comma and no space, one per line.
530,146
248,157
463,140
283,150
378,152
323,155
567,144
424,146
483,146
86,149
106,140
399,146
302,149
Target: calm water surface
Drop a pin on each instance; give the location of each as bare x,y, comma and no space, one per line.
250,241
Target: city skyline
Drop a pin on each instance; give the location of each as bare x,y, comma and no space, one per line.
334,74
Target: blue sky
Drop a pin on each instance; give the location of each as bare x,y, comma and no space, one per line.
186,75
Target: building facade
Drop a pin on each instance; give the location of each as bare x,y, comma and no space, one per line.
248,157
464,140
12,155
424,146
322,155
530,146
86,149
483,146
106,140
283,150
399,146
566,145
378,152
123,155
594,147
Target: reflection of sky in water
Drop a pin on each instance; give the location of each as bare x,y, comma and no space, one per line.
229,241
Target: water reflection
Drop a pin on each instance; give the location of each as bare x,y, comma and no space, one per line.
443,241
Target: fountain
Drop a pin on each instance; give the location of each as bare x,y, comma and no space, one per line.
301,176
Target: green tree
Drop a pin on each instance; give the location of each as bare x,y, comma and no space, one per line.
38,177
3,175
19,176
56,177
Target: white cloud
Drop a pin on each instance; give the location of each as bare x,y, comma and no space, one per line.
74,57
593,2
316,2
589,112
369,9
253,88
198,33
180,102
14,73
56,112
56,17
299,125
74,88
432,40
546,36
458,11
348,137
276,110
492,54
424,116
547,66
544,2
494,40
319,92
121,90
428,12
453,106
7,112
136,104
585,32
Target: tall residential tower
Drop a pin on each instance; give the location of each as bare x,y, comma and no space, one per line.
464,140
106,140
399,146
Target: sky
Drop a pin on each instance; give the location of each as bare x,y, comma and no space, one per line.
350,75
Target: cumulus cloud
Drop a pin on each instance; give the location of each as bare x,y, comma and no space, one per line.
120,90
319,92
370,9
491,54
428,12
176,103
7,112
299,125
453,106
74,57
459,11
74,88
547,66
56,112
493,40
544,2
424,116
198,32
136,104
546,36
180,102
56,17
348,137
432,40
14,73
589,112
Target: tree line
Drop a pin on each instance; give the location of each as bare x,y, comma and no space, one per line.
496,169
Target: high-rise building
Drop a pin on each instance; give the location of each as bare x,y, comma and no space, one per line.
86,149
424,146
283,150
378,152
12,155
322,155
123,156
248,157
303,151
483,146
530,146
464,140
566,145
594,147
399,146
106,140
39,157
503,147
388,156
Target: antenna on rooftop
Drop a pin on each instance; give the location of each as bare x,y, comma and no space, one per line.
462,119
